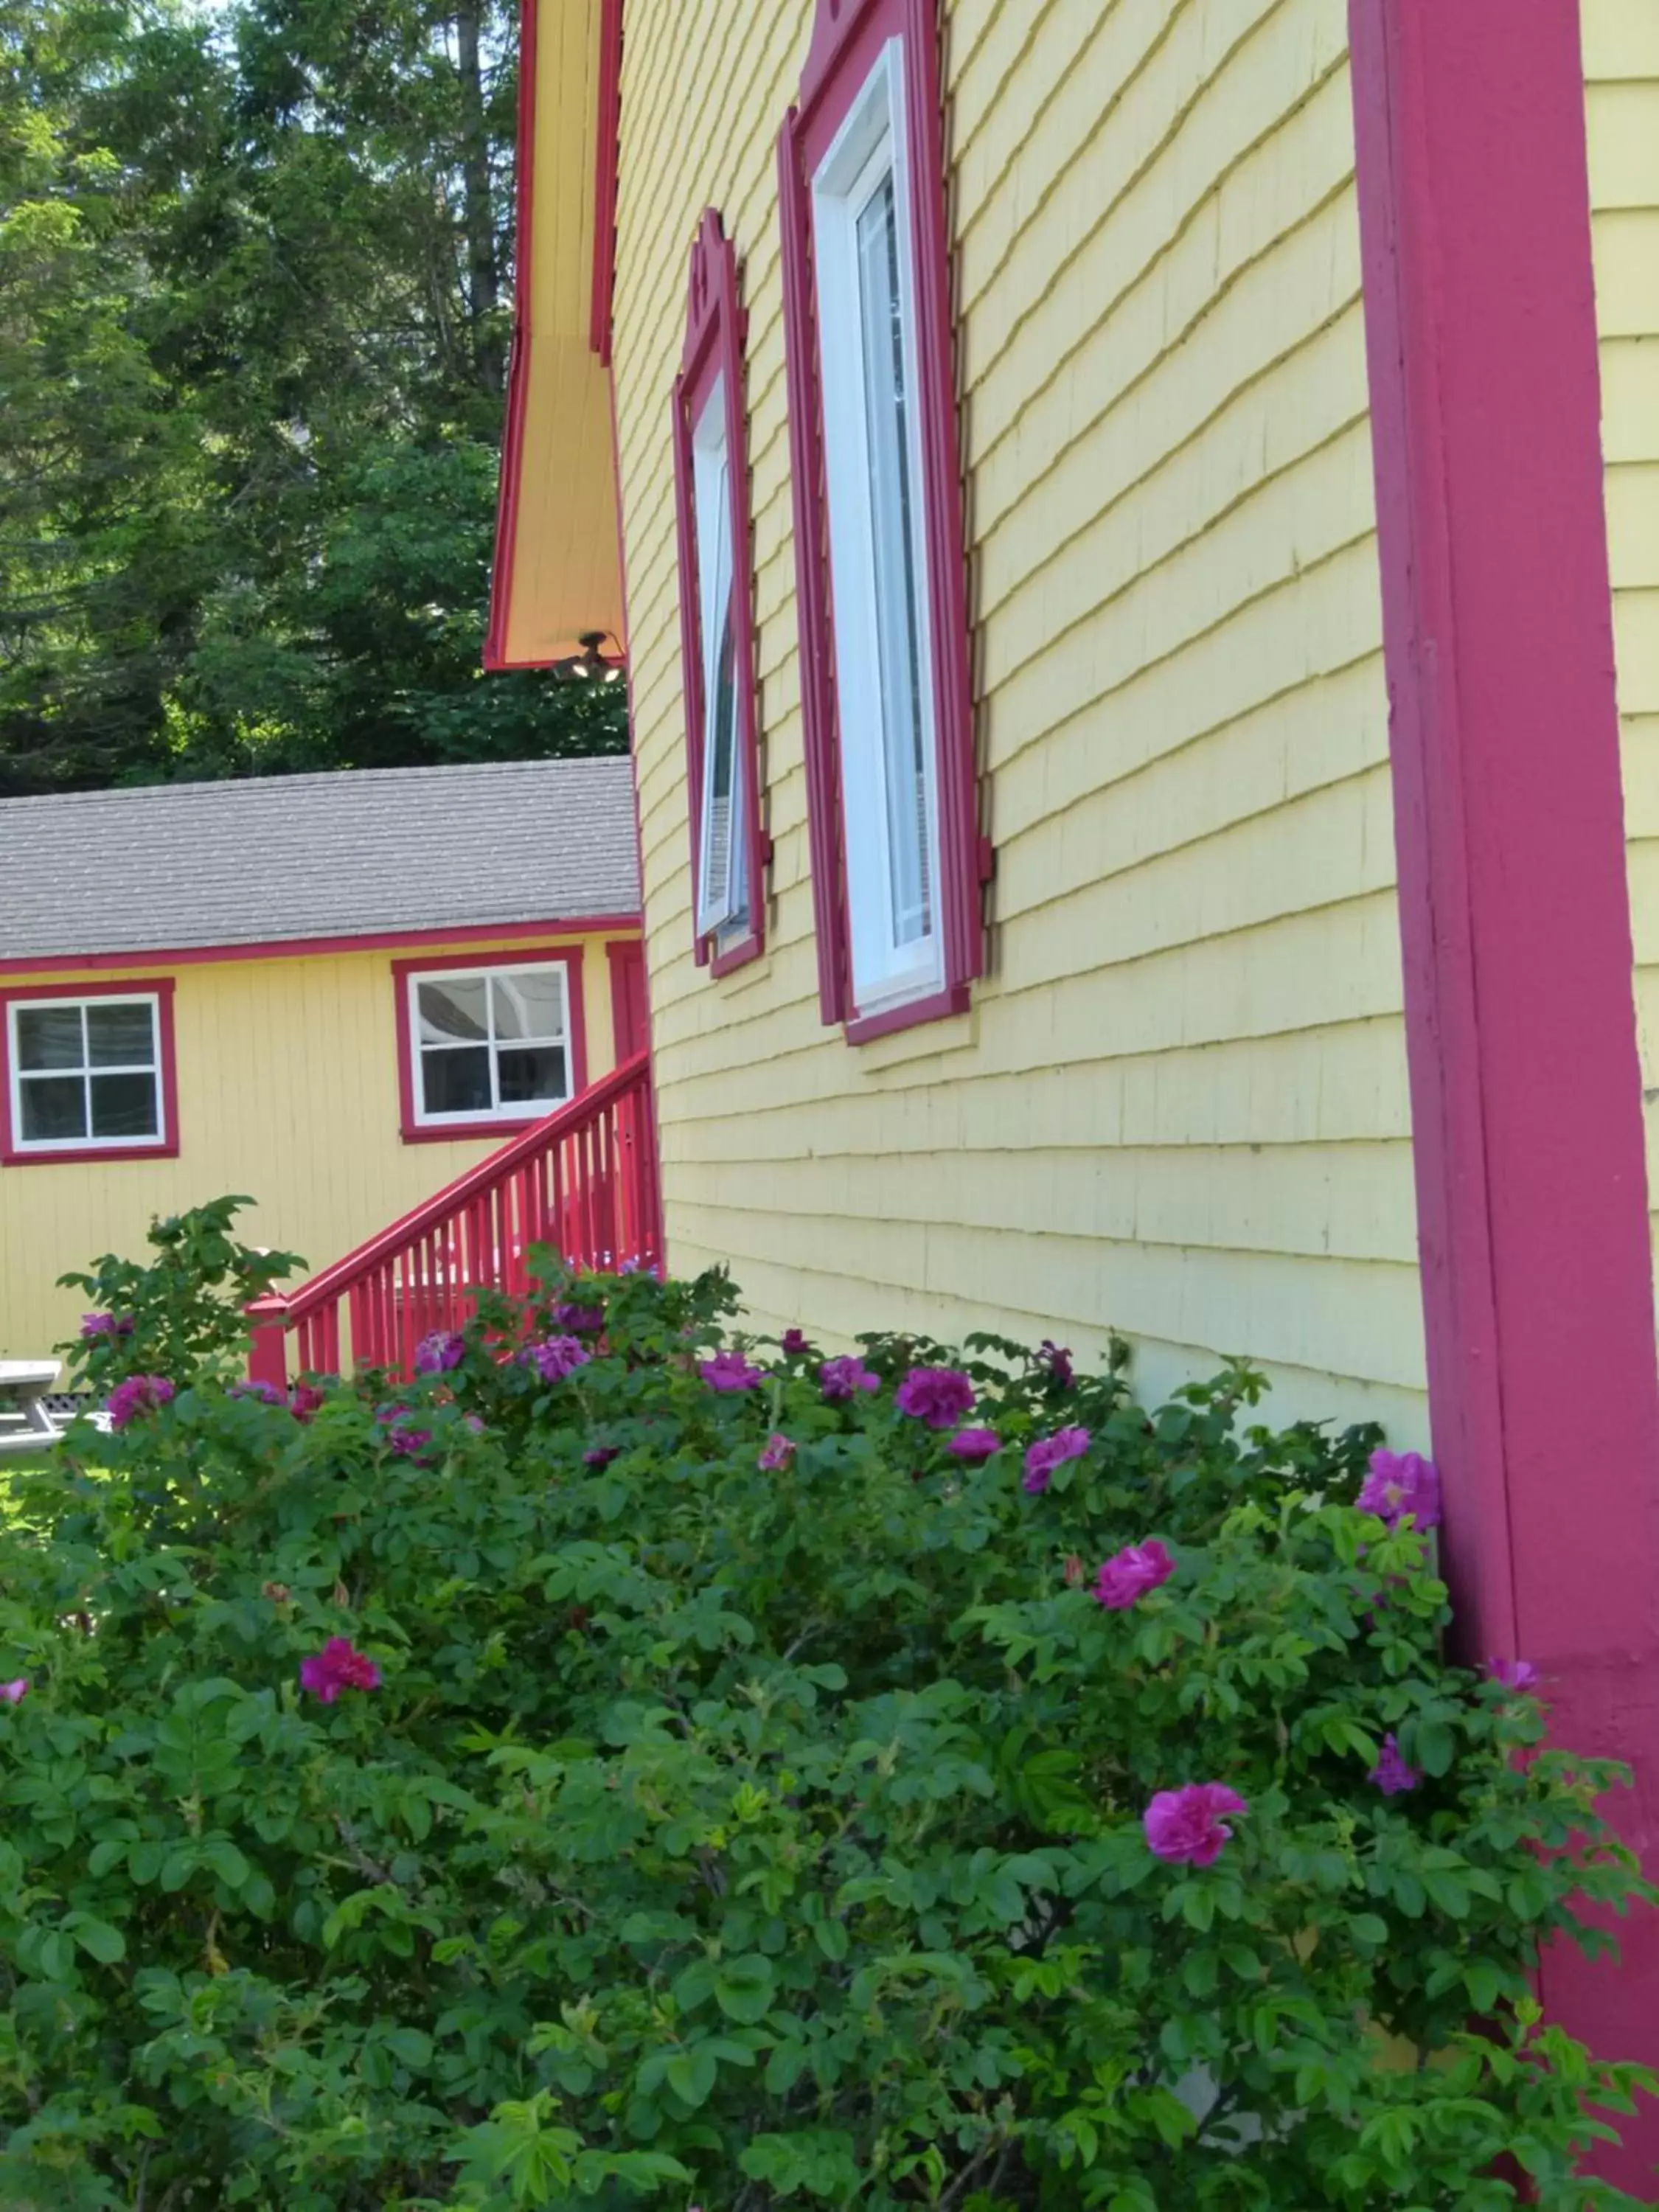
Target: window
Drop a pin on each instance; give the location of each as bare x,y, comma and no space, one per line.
728,850
88,1077
897,861
482,1046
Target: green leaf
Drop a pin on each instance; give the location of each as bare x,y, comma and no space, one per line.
744,1988
98,1940
691,2075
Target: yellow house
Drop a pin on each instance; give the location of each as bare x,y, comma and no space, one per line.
333,993
1138,571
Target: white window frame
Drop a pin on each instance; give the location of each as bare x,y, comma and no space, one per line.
722,891
870,145
514,1109
49,1147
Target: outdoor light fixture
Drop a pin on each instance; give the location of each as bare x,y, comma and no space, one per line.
592,665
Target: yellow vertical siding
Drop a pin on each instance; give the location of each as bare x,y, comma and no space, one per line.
1178,1104
1621,73
288,1091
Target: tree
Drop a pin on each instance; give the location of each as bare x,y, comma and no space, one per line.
252,334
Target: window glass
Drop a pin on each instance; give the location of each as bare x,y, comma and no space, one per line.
893,548
722,871
86,1072
491,1043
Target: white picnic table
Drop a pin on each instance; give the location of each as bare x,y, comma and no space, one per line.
25,1423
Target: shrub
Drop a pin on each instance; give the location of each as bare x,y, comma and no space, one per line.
629,1772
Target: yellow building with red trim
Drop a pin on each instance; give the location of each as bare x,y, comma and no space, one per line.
1134,524
331,992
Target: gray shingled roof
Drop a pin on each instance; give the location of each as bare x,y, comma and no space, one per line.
346,855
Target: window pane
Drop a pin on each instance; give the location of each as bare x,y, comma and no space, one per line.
533,1078
457,1009
899,652
529,1004
54,1107
456,1082
722,891
121,1036
49,1037
125,1106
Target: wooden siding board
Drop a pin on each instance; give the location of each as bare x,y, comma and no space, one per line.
1190,1040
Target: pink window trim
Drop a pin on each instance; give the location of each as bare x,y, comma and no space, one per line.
160,988
569,957
848,38
715,329
606,157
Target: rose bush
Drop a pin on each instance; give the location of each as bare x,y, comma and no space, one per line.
680,1774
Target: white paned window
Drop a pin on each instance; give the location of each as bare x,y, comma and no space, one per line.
878,546
489,1043
722,857
85,1074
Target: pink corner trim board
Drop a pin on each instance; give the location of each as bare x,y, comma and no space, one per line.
1527,1135
310,948
518,371
415,1132
158,986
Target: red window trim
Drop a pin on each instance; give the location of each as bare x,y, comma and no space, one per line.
606,157
160,988
715,329
848,38
519,956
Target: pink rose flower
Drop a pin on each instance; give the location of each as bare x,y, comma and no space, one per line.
730,1370
338,1666
1401,1483
1188,1826
794,1340
975,1445
1048,1453
776,1453
440,1352
14,1693
1391,1775
1517,1674
139,1394
841,1379
1130,1573
557,1357
941,1397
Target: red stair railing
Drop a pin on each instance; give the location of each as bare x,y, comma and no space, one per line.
583,1181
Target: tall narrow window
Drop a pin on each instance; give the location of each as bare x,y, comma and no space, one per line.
896,858
728,850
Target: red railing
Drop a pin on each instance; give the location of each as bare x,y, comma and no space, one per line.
584,1181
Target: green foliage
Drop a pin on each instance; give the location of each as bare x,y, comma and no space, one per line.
253,318
181,1313
738,1836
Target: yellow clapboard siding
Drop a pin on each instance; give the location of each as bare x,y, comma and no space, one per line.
288,1091
1621,68
1177,1105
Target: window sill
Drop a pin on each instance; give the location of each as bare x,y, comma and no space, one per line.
935,1007
499,1126
735,956
86,1155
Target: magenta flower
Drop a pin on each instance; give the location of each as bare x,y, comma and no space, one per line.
975,1445
794,1340
557,1357
841,1378
776,1453
580,1320
601,1455
139,1394
411,1443
304,1398
941,1397
338,1666
1130,1573
1401,1483
1391,1775
730,1370
1048,1453
1517,1674
267,1392
1188,1826
14,1693
95,1325
440,1352
1057,1361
